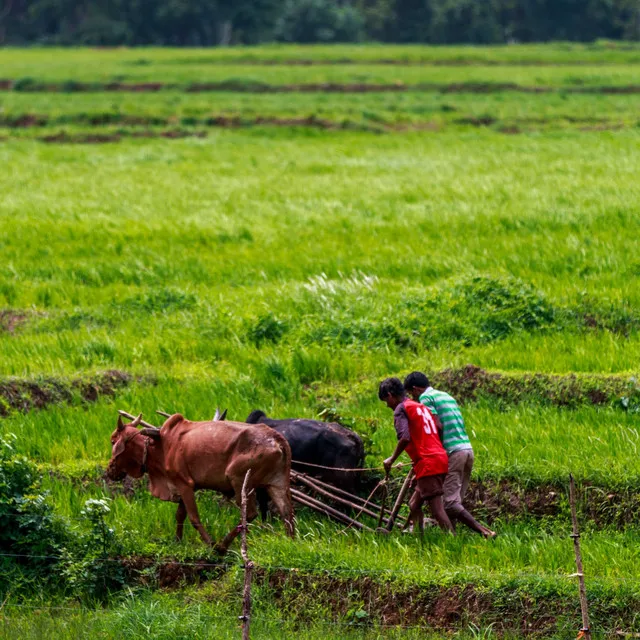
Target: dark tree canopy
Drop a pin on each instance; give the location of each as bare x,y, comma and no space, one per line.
214,22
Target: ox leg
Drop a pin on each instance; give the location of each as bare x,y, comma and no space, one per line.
181,515
281,497
252,512
189,500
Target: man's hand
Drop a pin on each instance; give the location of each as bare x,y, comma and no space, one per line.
388,463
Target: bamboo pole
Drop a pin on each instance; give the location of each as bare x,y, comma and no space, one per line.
385,493
399,500
327,494
585,631
308,501
297,476
248,565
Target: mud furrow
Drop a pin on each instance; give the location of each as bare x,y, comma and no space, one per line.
73,86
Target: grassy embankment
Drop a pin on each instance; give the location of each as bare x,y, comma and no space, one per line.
291,270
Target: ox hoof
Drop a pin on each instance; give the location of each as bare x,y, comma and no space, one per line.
221,550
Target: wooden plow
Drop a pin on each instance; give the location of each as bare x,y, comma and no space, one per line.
340,505
319,496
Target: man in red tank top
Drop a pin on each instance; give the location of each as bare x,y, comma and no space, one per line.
418,435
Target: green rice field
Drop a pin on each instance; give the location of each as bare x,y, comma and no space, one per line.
283,239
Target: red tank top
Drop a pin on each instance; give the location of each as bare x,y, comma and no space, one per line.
425,449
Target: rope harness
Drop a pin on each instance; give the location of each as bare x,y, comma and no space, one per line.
398,465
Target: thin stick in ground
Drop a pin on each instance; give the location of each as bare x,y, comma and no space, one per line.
586,630
248,565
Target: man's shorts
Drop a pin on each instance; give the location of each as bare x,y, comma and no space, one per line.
431,486
457,481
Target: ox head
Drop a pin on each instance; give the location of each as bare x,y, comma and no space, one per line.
129,449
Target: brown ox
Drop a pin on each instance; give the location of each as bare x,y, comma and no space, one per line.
185,456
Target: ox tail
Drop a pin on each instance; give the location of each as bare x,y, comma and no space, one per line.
262,496
285,450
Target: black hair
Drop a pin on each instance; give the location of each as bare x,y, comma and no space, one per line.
391,386
416,379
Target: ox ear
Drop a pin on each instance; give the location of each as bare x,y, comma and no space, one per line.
223,415
118,447
120,423
152,432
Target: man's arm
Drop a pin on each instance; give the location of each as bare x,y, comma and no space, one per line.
400,447
401,424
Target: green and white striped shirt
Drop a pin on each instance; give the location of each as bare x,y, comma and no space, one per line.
441,404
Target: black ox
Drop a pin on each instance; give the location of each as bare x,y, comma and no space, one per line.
327,444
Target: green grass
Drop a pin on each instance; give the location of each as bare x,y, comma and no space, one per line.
122,250
560,53
598,67
291,269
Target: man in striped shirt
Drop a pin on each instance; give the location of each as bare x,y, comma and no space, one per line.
457,445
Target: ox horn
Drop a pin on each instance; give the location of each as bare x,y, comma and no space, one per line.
136,421
219,416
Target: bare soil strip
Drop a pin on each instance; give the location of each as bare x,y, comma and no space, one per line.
396,62
470,383
11,319
26,395
467,384
95,122
73,86
528,606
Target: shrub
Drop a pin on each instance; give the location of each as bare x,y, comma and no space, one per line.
29,529
89,569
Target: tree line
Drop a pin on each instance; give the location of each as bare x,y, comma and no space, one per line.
222,22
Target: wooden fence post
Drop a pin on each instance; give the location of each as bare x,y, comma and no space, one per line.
586,630
248,565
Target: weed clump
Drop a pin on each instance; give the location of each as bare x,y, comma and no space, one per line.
267,328
477,310
159,301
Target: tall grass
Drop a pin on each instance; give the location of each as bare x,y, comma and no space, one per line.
182,273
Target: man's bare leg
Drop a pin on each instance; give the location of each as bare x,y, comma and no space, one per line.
460,514
437,511
416,517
